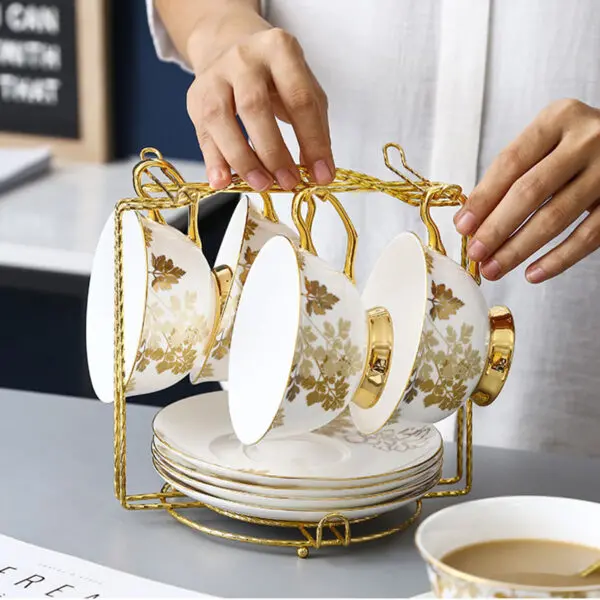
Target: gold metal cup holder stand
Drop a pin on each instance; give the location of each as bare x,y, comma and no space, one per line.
160,187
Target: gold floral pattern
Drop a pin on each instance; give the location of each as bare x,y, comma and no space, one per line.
318,299
220,350
446,359
246,263
162,343
148,235
278,421
176,318
429,263
322,368
388,439
222,342
165,274
249,229
443,303
325,355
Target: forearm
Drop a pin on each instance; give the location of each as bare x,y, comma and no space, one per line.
202,29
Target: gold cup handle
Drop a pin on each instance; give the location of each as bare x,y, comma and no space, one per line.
499,359
379,358
434,238
151,157
304,225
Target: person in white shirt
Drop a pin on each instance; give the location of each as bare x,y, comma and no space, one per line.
498,96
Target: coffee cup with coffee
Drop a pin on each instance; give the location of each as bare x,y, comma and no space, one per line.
513,547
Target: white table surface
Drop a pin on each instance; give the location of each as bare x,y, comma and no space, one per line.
53,223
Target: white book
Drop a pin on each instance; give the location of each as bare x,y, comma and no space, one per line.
28,571
20,165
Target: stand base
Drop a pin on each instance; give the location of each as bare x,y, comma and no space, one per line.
332,530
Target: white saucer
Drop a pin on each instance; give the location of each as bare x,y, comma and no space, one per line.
180,464
290,516
292,503
199,428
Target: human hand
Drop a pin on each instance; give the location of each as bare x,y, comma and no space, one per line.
260,75
538,186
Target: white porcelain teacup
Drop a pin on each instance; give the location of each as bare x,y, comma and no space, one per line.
246,234
452,347
563,520
300,338
170,305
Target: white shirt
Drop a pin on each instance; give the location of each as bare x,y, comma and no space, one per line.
454,81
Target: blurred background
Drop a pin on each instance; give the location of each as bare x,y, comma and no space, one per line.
56,194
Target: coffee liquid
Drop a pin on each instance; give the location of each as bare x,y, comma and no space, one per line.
527,562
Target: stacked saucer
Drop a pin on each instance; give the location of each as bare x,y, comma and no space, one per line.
301,479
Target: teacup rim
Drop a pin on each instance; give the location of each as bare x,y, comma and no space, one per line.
127,374
400,396
462,575
298,252
127,379
246,198
295,250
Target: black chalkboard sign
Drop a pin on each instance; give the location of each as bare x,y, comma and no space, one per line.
38,68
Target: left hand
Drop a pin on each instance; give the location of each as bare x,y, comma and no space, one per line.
538,186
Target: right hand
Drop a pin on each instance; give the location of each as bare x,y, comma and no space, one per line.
260,77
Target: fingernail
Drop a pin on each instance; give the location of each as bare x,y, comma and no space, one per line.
465,222
491,269
286,179
258,180
322,172
477,251
535,275
217,178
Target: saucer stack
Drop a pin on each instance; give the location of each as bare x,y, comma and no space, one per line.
300,479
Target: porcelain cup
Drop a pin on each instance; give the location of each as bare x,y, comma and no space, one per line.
248,231
452,346
170,305
300,339
506,518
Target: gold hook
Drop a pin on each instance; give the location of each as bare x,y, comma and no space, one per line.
168,170
390,166
268,208
305,227
150,153
434,239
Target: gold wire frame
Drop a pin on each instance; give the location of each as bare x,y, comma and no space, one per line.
167,190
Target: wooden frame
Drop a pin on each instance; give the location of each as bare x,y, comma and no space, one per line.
93,91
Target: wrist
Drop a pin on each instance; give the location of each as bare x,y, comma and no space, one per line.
219,30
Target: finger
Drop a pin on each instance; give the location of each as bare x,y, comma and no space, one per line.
529,148
524,197
252,100
546,224
584,240
304,104
324,104
218,171
218,120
